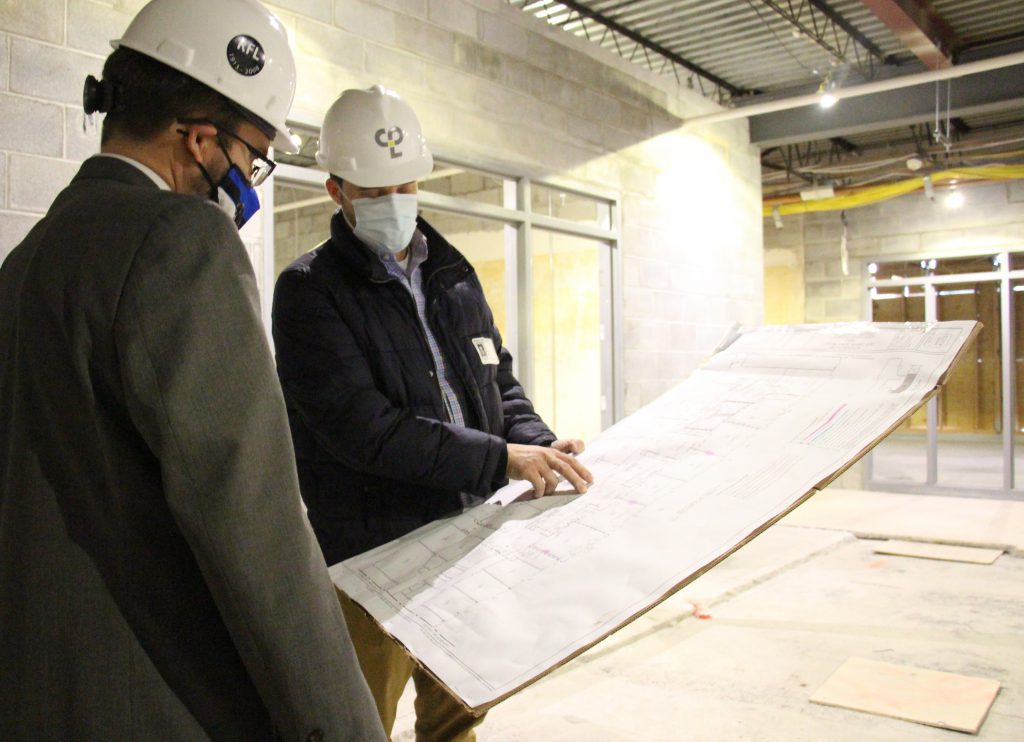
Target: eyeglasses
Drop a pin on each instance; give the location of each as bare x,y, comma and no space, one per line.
262,166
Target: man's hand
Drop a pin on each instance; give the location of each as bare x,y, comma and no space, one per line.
568,445
542,466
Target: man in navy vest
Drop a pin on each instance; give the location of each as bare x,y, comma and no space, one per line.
402,401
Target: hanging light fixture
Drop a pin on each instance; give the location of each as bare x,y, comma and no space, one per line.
828,98
954,199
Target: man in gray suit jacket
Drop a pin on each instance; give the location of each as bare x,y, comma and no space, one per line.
158,579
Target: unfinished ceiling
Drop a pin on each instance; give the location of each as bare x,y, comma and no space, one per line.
745,53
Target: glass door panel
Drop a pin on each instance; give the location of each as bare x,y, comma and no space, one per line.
970,449
902,457
567,333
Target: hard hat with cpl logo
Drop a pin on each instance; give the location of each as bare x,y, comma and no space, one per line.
373,139
237,47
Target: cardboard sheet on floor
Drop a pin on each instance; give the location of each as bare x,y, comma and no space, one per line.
943,552
938,699
492,599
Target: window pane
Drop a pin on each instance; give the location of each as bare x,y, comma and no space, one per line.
902,456
571,206
975,264
970,448
471,185
566,333
482,241
302,220
897,270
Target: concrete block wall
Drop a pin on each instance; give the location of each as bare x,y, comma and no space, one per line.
992,219
492,85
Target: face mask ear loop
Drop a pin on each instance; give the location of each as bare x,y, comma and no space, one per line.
212,193
350,222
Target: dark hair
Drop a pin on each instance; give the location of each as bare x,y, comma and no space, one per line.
142,96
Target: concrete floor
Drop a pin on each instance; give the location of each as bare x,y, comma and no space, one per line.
785,612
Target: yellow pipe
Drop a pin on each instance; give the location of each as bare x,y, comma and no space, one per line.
852,199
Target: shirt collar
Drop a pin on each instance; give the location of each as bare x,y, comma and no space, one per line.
417,255
148,171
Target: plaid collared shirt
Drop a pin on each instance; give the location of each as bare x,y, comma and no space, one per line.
412,279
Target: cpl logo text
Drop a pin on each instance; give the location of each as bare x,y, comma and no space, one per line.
390,138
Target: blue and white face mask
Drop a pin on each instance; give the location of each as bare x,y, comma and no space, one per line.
236,197
386,224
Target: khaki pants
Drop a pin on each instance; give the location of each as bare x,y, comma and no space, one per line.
387,669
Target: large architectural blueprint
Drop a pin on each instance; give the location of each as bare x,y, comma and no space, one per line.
494,598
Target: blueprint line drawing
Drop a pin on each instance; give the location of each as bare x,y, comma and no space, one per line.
497,596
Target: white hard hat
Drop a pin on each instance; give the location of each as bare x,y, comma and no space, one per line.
237,47
373,138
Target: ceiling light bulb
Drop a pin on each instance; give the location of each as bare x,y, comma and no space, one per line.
827,100
914,163
954,199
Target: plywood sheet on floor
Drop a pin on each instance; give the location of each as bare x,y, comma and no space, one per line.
943,552
938,699
957,520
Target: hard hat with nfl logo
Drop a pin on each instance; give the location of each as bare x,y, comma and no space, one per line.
236,47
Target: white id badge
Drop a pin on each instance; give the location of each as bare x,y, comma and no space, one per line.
485,347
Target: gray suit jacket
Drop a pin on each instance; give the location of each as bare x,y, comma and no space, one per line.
158,579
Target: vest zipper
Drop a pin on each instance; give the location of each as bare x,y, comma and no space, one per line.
449,415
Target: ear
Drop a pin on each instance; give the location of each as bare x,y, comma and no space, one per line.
333,190
198,138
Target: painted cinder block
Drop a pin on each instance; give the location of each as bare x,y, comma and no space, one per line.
565,93
843,310
44,71
320,10
328,44
81,138
92,25
424,39
477,59
416,8
647,334
546,53
503,103
828,289
36,181
495,6
898,244
5,61
1015,192
597,105
13,228
454,85
366,20
395,69
497,32
454,15
39,19
522,77
31,126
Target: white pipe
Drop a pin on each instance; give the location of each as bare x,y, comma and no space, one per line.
946,73
301,204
